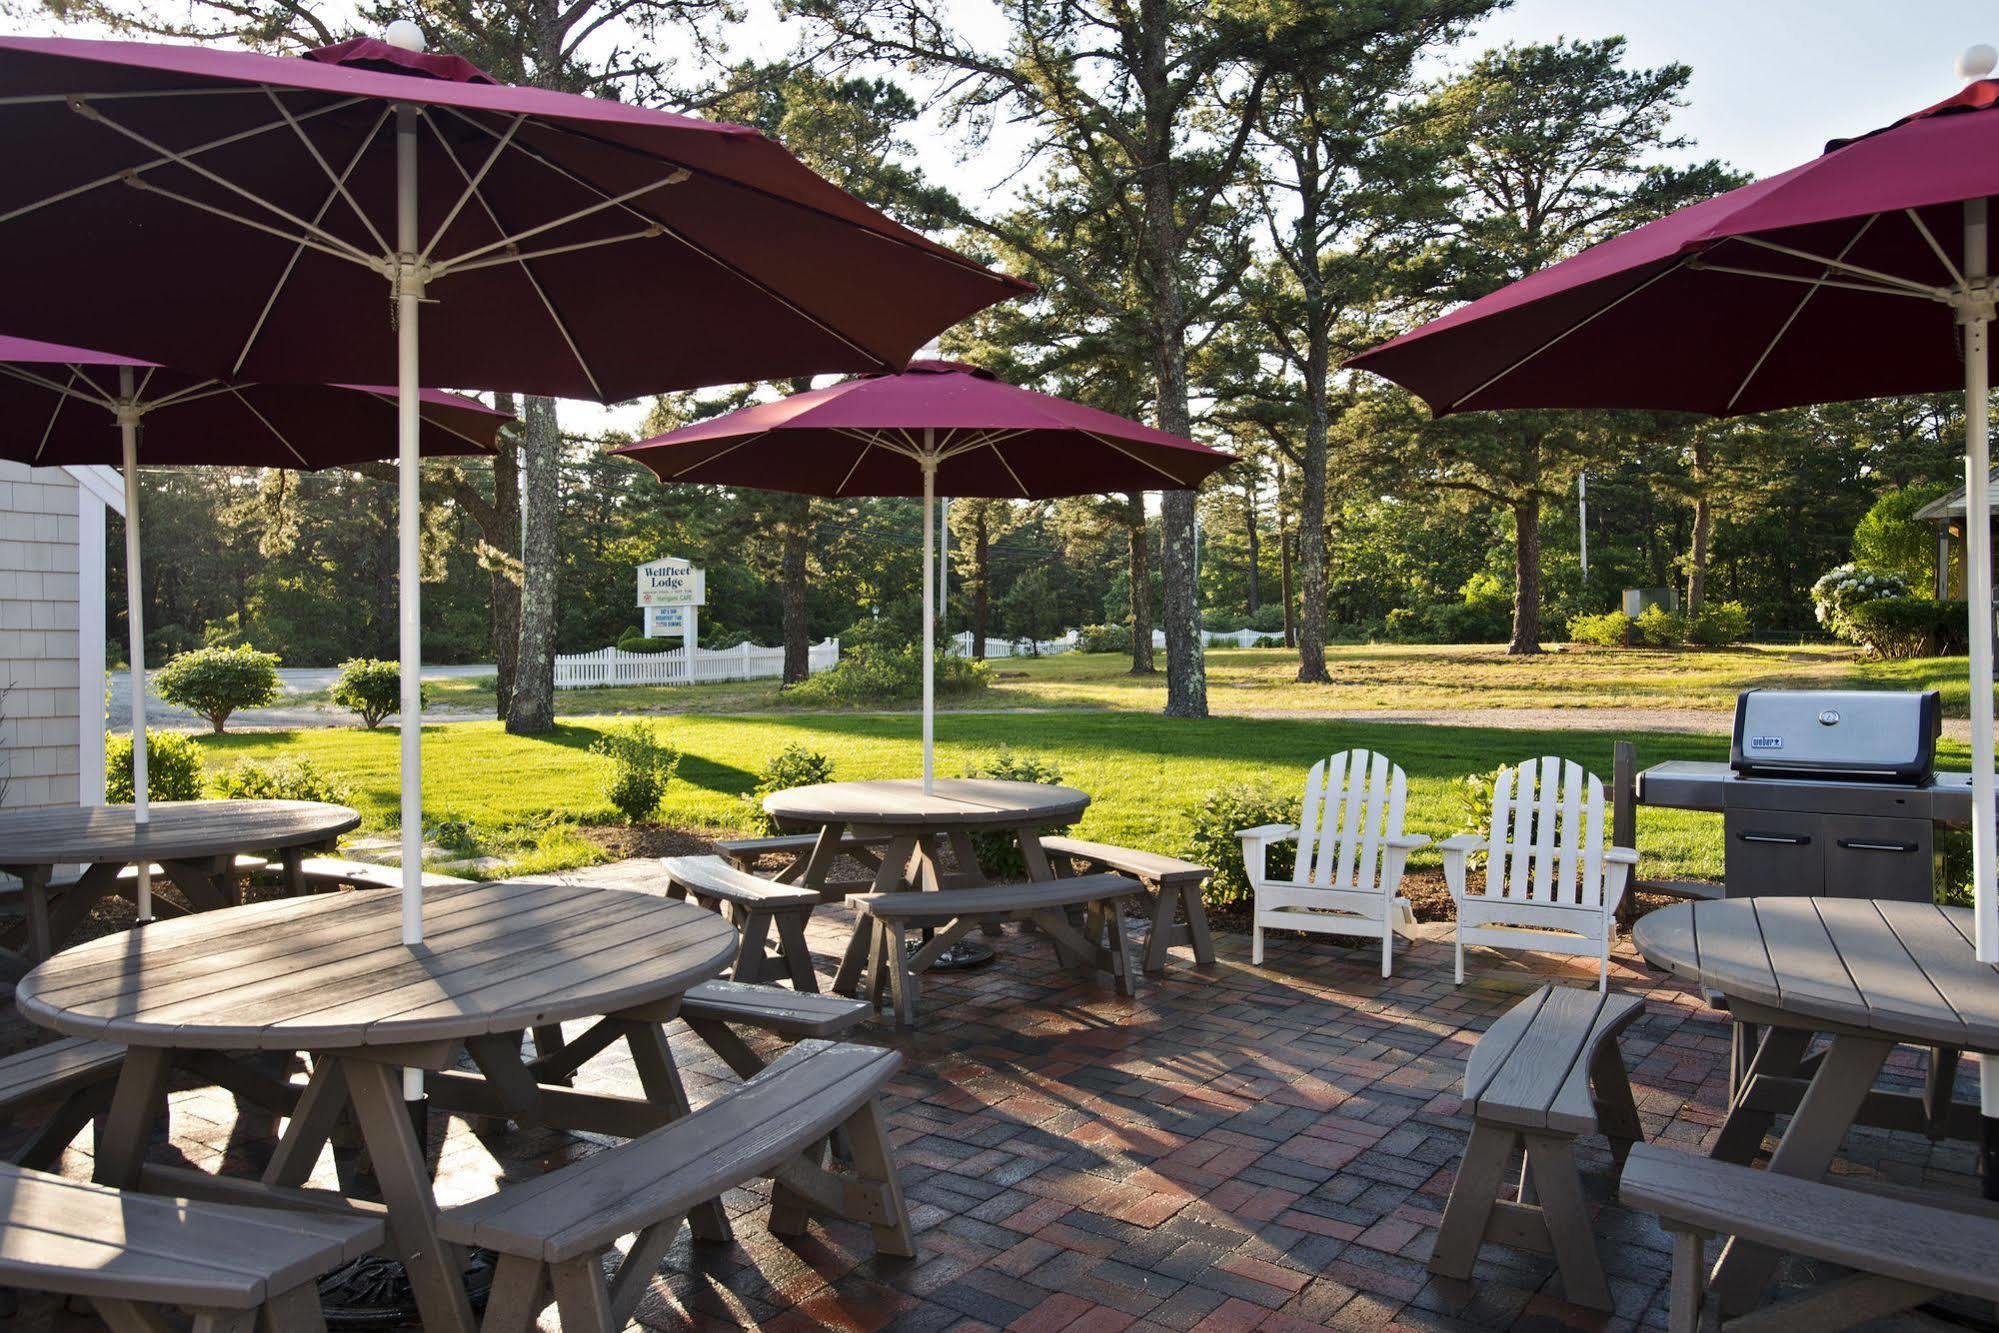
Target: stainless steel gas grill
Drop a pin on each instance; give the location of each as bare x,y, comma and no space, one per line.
1826,792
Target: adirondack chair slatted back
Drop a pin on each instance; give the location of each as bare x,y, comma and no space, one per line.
1352,801
1548,830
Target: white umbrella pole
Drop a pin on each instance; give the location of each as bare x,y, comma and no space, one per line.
135,624
929,612
409,295
1975,313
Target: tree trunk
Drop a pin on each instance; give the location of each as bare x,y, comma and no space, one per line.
795,534
503,563
1312,518
1249,530
1141,585
1703,529
1284,558
533,710
982,605
1526,576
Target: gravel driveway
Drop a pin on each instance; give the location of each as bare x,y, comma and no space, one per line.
291,709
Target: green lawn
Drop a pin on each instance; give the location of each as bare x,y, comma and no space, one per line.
1143,771
1368,676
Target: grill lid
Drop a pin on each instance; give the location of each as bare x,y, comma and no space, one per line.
1870,735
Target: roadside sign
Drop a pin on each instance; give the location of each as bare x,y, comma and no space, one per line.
671,581
665,621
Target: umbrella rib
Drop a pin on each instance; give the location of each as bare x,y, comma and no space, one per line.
644,234
1872,289
472,182
62,400
276,434
353,256
327,238
194,393
1796,310
1576,327
492,216
1136,458
1025,494
298,249
721,453
733,270
57,386
128,172
1909,285
465,260
339,181
867,443
1929,239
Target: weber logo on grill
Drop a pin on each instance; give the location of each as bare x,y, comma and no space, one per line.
1766,743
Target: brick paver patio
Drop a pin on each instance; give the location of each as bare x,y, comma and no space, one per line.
1238,1148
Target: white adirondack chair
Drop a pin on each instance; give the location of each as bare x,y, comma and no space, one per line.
1551,884
1351,849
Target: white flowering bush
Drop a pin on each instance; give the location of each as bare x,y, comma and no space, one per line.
1840,590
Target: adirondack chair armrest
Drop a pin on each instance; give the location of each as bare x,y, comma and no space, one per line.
1617,863
1256,842
1620,856
1268,833
1394,855
1407,842
1456,850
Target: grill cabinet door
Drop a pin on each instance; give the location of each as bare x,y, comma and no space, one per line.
1879,858
1773,852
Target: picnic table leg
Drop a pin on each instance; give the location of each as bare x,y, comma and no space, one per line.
293,859
660,1078
35,891
1742,1133
811,871
205,885
95,884
127,1128
1819,1126
889,879
435,1268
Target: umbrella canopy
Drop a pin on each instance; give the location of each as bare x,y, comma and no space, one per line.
68,405
247,215
937,428
1861,273
61,405
553,233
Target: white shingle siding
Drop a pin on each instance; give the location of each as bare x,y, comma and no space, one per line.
51,643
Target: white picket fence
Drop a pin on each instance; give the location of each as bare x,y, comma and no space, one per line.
997,646
615,666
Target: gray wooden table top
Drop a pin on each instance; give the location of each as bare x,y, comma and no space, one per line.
1907,971
177,830
330,973
954,803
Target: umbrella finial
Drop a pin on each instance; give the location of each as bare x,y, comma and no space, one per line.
1977,62
406,36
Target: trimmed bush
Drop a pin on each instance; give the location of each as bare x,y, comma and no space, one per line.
1213,822
1103,639
173,767
793,766
1896,627
1718,624
1612,629
372,687
640,766
999,853
1840,590
286,778
1660,628
215,682
872,674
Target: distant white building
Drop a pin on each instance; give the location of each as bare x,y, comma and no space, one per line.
52,631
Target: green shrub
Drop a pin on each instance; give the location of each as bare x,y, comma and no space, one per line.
173,767
1268,617
1402,625
1896,627
1213,822
793,766
286,778
635,641
1953,886
215,682
640,766
1103,639
372,687
1612,629
1660,628
1718,624
873,674
1840,590
1891,538
999,853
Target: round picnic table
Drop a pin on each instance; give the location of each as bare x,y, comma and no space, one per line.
329,976
1869,974
194,842
911,828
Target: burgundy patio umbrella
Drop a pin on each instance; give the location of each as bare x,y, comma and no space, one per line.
937,428
66,405
276,219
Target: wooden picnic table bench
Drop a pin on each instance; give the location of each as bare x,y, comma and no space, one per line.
715,1009
744,853
1169,882
957,912
554,1230
1902,1251
135,1255
756,907
1547,1072
322,874
72,1077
